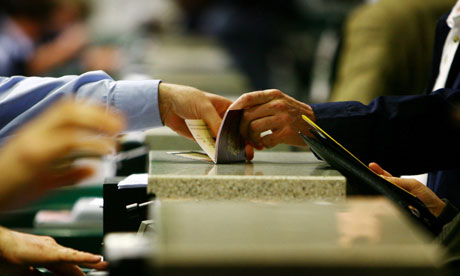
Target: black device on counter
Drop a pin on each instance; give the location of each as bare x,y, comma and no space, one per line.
119,212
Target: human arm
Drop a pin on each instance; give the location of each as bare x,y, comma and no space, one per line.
414,134
21,252
23,98
405,134
37,158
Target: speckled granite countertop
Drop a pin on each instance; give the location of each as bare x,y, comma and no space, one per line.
271,176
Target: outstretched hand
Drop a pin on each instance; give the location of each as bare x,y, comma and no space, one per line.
422,192
272,110
22,252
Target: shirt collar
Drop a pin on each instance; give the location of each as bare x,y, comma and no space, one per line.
454,16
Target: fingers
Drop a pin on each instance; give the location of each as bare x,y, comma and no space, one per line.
98,266
90,117
178,103
271,140
378,170
405,183
249,152
92,145
67,127
63,146
70,177
212,112
179,126
257,127
58,253
65,269
275,111
255,98
221,104
255,121
212,119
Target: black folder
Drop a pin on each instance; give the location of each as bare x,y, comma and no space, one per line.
344,161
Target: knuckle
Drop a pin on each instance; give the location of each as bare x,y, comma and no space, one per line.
49,239
67,115
278,105
253,126
268,141
248,97
247,115
285,117
275,92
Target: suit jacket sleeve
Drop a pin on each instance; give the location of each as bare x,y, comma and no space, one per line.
406,135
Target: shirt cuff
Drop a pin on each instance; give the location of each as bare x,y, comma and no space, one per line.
138,100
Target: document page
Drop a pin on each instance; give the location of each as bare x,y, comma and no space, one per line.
203,137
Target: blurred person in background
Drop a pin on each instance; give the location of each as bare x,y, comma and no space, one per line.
386,49
254,33
38,159
37,37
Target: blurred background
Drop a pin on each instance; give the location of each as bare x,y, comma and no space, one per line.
313,50
226,47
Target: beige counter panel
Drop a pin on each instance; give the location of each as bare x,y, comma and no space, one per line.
353,233
269,177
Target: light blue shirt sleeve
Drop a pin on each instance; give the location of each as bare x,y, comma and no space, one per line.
22,98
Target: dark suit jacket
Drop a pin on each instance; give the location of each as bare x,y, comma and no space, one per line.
406,134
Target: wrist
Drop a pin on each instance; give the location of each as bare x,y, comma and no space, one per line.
307,111
164,101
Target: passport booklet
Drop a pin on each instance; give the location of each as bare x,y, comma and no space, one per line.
337,156
228,147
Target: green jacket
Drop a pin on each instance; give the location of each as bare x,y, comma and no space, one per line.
387,49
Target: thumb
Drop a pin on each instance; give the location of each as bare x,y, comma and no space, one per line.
378,170
406,184
249,152
213,121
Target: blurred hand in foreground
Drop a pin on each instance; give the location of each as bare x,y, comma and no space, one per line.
39,156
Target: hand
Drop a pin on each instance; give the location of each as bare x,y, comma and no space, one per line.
178,103
36,159
275,111
21,252
422,192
